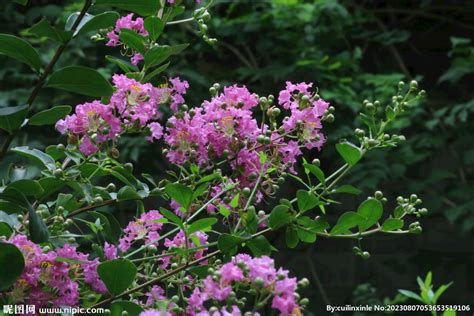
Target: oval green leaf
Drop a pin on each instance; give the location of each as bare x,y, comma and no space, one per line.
117,274
81,80
50,116
20,50
12,264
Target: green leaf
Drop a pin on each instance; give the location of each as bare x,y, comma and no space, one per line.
27,187
306,200
81,80
172,217
280,216
10,219
315,170
412,295
156,72
37,156
50,116
227,242
391,224
306,235
223,210
315,226
12,264
133,40
124,65
347,221
349,152
347,188
117,274
20,50
141,7
100,21
181,194
128,193
5,230
118,307
291,237
22,2
249,220
259,246
203,224
37,228
154,26
201,271
370,210
440,291
159,54
11,117
44,29
209,177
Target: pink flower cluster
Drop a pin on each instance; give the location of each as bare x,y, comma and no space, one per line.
225,128
146,228
52,277
133,107
127,22
306,111
258,274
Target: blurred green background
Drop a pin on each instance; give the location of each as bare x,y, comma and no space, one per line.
351,50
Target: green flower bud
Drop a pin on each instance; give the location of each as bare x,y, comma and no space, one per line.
359,132
378,195
58,172
365,255
111,187
401,85
261,139
183,107
329,118
316,162
276,112
246,191
413,85
152,249
304,301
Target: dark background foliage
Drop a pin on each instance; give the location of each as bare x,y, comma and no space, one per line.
352,50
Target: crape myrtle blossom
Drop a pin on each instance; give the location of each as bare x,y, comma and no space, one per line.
145,228
245,273
127,22
226,129
51,277
307,109
133,107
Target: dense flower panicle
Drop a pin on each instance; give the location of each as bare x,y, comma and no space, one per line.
48,279
145,228
127,22
133,107
92,119
134,102
306,112
258,274
225,128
